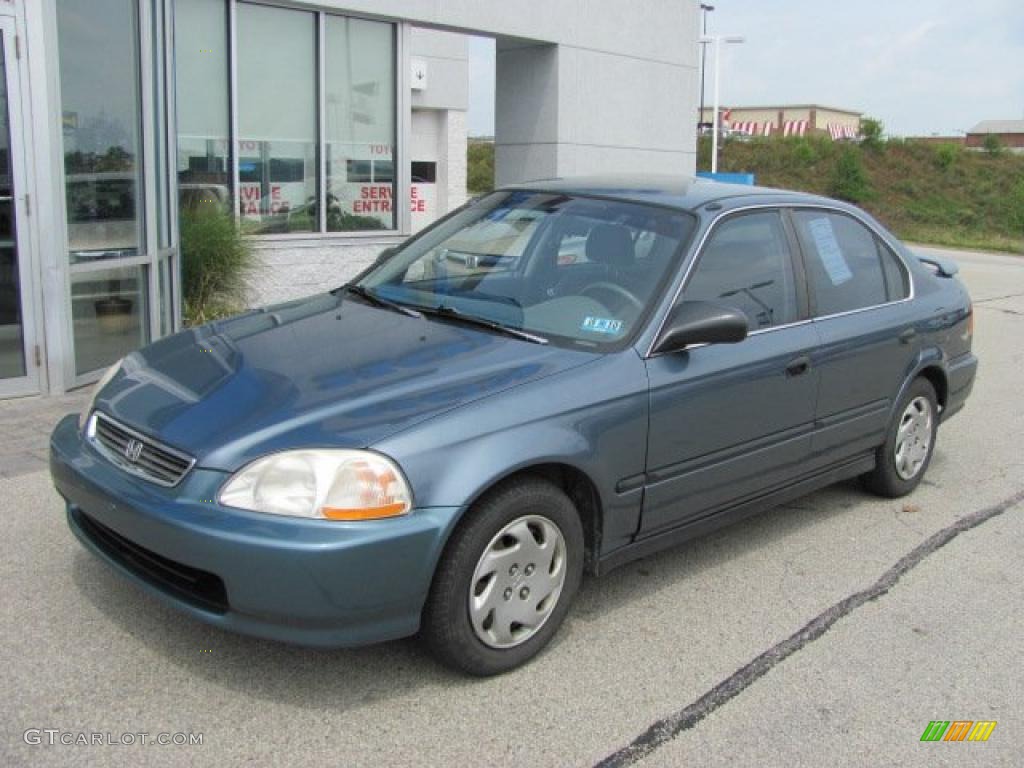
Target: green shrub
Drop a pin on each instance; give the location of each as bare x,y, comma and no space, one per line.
992,144
1015,204
804,154
849,179
946,155
871,131
215,262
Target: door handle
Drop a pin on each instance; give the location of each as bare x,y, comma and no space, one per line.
798,366
907,336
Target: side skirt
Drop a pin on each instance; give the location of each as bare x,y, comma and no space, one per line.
729,515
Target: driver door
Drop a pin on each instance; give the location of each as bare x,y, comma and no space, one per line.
729,422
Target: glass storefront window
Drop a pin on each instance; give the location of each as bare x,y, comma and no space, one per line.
109,313
277,119
201,75
360,121
99,82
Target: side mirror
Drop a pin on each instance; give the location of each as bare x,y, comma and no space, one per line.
701,322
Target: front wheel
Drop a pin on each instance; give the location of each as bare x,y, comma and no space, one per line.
506,579
904,457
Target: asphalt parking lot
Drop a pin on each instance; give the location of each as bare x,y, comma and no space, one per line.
828,632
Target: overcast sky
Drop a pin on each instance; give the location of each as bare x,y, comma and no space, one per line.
921,66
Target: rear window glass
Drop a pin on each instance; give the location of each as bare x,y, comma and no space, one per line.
848,267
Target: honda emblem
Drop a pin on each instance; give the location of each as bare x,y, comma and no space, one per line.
132,450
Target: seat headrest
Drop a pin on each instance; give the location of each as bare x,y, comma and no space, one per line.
610,244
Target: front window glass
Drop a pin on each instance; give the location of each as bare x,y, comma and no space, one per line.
100,111
277,119
572,269
746,264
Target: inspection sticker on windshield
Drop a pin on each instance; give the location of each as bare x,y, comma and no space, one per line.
601,325
829,252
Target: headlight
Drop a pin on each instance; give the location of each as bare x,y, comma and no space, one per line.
321,484
83,417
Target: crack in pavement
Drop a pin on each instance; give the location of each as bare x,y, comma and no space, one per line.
1005,311
666,729
998,298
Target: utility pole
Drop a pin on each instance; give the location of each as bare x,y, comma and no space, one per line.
703,58
717,41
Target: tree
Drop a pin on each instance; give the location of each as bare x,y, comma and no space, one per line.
480,167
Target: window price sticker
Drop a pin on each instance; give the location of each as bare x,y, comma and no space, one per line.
829,252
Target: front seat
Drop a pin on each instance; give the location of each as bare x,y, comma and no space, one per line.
612,246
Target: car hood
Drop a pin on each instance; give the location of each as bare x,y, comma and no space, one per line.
326,371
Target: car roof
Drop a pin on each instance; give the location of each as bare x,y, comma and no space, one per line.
684,192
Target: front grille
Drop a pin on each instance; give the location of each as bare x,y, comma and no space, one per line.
191,585
136,453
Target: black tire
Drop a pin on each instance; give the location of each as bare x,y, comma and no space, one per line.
885,479
447,627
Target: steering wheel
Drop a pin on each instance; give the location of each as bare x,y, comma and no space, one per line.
617,290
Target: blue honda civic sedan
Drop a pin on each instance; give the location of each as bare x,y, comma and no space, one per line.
557,377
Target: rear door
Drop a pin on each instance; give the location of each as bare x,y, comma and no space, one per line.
858,290
731,421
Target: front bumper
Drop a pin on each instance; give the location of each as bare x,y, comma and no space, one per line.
310,582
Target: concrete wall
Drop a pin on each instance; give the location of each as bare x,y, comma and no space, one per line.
294,269
562,110
446,55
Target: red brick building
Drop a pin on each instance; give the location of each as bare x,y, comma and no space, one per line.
1009,132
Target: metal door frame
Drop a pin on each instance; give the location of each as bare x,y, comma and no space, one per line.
31,295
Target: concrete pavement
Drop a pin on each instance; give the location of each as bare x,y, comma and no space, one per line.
81,650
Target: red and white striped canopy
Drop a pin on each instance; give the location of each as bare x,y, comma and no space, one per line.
753,127
794,128
837,131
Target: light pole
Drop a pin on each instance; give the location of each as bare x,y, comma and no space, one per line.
703,58
717,40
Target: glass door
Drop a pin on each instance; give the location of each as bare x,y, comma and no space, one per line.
19,372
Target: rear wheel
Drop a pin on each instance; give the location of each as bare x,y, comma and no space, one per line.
904,457
506,579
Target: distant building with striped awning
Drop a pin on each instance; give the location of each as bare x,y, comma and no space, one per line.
790,120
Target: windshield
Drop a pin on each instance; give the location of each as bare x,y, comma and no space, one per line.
574,270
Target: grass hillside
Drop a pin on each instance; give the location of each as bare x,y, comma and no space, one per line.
927,193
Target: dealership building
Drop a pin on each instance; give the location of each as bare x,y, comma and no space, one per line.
331,130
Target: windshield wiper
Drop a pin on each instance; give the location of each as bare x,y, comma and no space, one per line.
380,301
454,314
